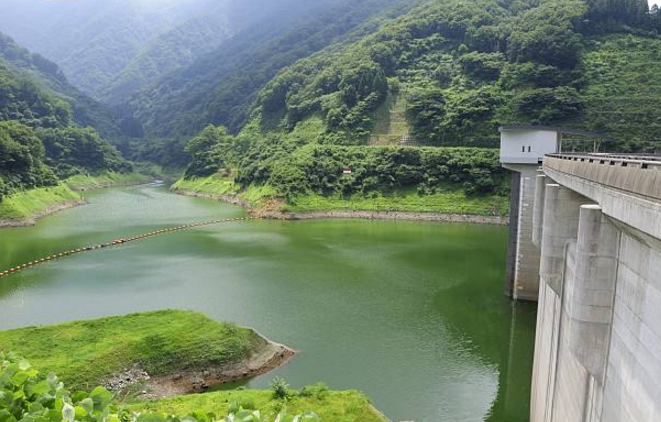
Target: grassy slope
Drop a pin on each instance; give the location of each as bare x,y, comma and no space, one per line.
343,406
24,205
448,202
84,353
212,185
217,185
390,123
27,204
106,179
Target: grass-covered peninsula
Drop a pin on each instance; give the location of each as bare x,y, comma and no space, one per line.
168,345
88,354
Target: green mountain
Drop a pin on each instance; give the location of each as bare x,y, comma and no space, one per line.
445,73
220,88
450,72
112,48
46,77
94,41
41,138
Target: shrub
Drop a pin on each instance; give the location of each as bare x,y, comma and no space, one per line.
280,388
319,391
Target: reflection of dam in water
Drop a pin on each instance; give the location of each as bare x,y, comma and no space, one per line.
585,241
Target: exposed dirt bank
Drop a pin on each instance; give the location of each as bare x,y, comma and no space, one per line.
273,212
265,356
43,213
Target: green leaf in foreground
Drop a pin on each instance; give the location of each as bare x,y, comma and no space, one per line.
26,395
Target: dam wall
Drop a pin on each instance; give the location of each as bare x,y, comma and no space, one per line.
598,340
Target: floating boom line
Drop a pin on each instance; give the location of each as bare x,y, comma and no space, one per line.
117,242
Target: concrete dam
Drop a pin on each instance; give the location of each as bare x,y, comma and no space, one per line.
585,242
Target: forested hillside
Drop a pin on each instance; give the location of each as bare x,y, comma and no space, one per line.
47,75
446,73
460,69
463,68
622,90
42,135
220,88
337,83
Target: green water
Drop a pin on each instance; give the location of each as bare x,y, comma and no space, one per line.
410,313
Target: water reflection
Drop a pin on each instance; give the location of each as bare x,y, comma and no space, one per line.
410,313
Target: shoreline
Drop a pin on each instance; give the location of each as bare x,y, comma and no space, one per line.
31,221
266,356
350,214
34,219
79,188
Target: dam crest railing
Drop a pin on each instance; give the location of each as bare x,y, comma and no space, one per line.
637,174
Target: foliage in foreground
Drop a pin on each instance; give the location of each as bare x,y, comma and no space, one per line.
27,395
329,405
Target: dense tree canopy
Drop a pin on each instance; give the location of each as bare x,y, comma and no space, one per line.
319,169
24,101
212,150
22,159
73,150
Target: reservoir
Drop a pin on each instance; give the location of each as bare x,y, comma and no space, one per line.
411,313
